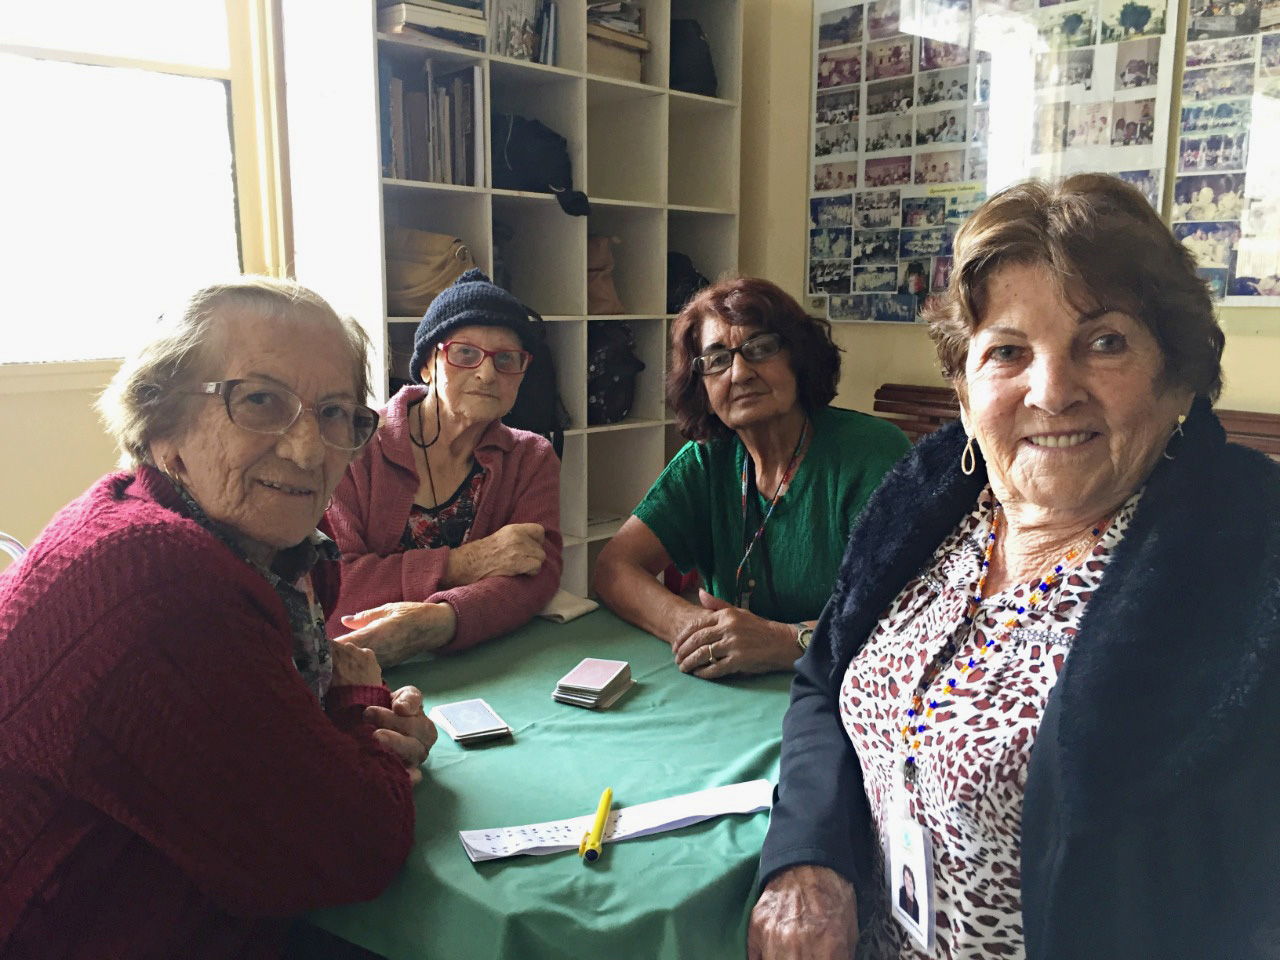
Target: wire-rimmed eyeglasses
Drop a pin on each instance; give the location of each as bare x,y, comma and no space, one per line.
265,407
760,347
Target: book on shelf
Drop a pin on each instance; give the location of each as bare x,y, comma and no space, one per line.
513,29
468,8
399,158
549,32
457,30
384,114
629,40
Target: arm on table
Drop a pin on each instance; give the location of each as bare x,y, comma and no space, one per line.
625,578
496,605
213,750
370,579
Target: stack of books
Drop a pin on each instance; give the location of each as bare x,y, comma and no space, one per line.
431,124
593,683
615,39
461,24
619,15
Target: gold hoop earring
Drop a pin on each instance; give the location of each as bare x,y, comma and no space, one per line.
1177,432
968,459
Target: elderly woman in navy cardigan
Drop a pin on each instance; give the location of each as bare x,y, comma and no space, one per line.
1051,658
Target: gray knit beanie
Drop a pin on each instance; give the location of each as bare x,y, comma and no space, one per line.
470,301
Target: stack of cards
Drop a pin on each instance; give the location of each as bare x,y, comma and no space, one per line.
469,721
594,683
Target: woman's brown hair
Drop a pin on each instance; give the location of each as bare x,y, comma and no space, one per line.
1103,245
748,301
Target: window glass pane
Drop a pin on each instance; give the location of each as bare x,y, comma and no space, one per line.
188,31
116,192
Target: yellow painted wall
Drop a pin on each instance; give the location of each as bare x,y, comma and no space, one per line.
52,441
775,173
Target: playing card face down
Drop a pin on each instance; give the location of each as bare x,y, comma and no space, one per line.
593,675
469,718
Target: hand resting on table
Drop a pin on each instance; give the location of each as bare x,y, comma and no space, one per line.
804,913
740,641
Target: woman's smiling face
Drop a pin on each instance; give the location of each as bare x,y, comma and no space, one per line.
1070,409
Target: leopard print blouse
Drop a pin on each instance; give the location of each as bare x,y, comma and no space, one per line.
972,762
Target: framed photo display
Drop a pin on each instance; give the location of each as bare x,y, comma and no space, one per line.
1226,191
923,107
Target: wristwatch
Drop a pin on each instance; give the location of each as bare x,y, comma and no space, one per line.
803,635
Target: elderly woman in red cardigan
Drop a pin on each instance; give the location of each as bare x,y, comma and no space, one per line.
185,758
449,522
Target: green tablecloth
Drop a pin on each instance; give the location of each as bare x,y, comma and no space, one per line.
680,894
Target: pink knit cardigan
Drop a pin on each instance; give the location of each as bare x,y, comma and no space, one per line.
370,509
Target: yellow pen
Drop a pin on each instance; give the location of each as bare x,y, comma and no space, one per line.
589,848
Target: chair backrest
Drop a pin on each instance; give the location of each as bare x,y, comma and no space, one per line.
918,410
12,546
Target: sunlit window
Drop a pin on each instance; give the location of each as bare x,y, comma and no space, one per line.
117,181
189,31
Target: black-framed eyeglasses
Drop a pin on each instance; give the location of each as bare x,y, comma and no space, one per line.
459,353
265,407
760,347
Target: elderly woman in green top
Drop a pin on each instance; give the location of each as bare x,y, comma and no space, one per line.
761,500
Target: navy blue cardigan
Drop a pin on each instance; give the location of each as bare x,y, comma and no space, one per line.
1151,821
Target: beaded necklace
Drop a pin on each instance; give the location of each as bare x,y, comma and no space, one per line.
922,710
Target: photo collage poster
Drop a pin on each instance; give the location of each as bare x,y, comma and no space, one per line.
923,107
1226,191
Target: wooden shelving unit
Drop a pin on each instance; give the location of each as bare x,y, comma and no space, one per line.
659,166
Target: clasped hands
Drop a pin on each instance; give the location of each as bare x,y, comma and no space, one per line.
720,639
403,730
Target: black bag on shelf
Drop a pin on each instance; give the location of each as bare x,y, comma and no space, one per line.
538,408
612,367
529,155
683,281
692,69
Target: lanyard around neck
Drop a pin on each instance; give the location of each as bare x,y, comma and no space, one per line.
748,484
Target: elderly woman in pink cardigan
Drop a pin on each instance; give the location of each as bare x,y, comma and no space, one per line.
449,522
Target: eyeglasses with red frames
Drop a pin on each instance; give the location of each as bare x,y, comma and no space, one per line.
459,353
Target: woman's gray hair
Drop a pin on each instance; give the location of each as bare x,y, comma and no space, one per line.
150,398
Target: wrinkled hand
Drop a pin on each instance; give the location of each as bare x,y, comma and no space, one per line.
404,730
354,665
511,551
805,913
726,639
397,631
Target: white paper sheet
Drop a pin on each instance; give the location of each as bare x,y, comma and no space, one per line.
657,816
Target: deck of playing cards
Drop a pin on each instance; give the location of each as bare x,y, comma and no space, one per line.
469,721
594,683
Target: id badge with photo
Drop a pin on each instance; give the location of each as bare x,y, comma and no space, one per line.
909,874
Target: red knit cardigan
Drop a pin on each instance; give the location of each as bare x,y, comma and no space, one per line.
370,509
169,787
